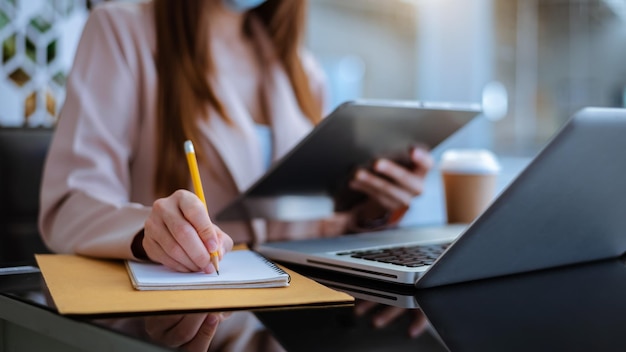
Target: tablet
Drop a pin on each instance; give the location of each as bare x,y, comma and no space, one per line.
310,181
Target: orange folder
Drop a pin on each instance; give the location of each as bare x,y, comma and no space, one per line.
86,286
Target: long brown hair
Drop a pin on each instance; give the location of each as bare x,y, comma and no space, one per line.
183,62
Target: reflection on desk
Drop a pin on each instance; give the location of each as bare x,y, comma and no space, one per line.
197,332
29,322
396,295
578,308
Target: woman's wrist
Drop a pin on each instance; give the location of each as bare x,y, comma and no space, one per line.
136,246
369,217
371,222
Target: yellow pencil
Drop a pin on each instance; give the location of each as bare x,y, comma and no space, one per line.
197,186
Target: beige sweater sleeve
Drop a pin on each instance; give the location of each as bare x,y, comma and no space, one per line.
85,205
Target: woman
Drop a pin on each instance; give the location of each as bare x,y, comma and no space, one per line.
147,77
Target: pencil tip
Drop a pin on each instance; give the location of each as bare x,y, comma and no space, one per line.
218,272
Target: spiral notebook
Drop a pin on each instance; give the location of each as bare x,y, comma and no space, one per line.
238,269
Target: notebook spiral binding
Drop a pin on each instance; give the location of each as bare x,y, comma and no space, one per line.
274,267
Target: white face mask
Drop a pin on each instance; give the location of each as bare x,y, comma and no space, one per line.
242,5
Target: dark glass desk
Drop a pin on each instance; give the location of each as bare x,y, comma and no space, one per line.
29,322
578,308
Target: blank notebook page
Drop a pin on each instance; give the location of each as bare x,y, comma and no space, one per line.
238,269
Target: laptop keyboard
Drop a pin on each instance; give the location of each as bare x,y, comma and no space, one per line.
409,256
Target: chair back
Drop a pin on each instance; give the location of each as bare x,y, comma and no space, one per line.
22,155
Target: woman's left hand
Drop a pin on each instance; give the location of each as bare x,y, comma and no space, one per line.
391,186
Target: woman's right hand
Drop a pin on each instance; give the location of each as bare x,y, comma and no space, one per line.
180,234
188,332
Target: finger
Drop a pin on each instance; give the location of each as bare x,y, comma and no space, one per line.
156,326
423,161
384,200
175,333
386,316
155,232
418,324
158,254
383,186
196,213
180,240
205,334
225,315
226,242
411,181
362,307
373,186
184,231
388,194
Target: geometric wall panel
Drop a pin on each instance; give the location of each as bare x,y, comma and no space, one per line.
38,40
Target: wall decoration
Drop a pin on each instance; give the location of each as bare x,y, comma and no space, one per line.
38,39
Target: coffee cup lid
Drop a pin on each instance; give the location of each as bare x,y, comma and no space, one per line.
475,161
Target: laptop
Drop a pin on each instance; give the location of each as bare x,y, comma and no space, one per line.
401,296
567,206
303,183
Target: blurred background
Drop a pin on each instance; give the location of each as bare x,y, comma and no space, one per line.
531,63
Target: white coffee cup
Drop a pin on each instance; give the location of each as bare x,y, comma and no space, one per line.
469,181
